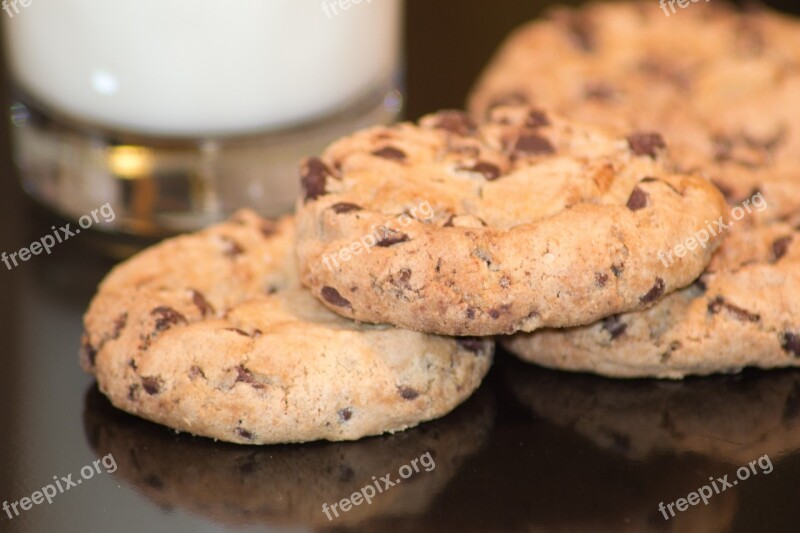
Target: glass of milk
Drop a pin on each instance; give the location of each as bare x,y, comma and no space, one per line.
178,112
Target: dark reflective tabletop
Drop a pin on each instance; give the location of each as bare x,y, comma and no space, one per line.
533,450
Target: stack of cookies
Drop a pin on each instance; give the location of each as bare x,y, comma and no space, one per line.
722,87
618,199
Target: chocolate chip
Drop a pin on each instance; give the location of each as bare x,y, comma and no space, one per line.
119,325
599,91
767,145
471,313
790,342
239,331
394,237
537,119
196,372
247,468
268,228
202,304
618,269
719,303
653,179
333,297
391,153
726,191
152,385
791,411
456,122
614,326
346,474
644,143
166,317
781,246
145,342
133,392
601,278
700,285
655,293
232,248
407,393
722,147
489,171
750,37
154,482
669,73
533,144
580,32
243,375
401,279
313,177
88,352
472,344
345,207
244,433
638,199
345,414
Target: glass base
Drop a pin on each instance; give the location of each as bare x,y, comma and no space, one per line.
160,187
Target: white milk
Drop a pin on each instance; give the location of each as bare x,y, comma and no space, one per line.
201,67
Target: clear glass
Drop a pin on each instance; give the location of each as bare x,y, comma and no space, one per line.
178,112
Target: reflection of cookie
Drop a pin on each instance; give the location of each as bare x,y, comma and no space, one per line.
743,312
577,487
524,222
738,418
721,86
284,485
209,333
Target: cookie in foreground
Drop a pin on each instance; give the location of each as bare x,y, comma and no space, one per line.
211,334
743,312
526,221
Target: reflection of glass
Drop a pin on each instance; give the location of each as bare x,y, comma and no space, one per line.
285,485
179,111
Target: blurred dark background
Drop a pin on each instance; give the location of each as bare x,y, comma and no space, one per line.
439,30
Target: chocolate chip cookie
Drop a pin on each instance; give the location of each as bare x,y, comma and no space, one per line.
211,334
743,312
526,221
720,85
